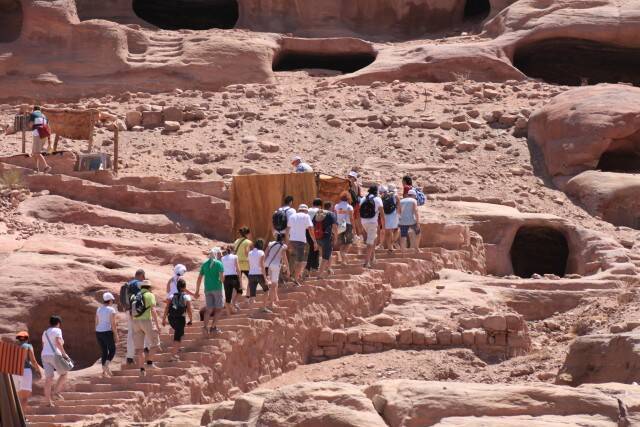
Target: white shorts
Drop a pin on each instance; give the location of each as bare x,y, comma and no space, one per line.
24,382
372,233
274,275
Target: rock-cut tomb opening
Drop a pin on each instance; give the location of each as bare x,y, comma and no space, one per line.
342,62
622,156
78,327
10,20
577,62
188,14
539,250
476,9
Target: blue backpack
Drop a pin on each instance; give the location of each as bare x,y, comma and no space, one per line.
420,197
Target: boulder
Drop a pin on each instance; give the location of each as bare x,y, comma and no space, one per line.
132,119
602,359
171,126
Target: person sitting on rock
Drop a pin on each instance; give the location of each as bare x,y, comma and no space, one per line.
299,166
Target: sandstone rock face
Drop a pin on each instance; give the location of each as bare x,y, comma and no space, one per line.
405,402
577,128
321,404
59,209
400,403
602,359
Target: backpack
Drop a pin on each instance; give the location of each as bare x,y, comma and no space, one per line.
138,304
126,292
368,208
178,305
389,204
280,219
420,197
318,224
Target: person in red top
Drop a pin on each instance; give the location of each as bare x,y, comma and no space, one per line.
407,184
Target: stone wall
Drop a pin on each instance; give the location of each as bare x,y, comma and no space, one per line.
495,336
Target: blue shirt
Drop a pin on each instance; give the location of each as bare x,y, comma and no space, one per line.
303,167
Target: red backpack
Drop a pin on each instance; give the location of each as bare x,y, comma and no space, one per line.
318,222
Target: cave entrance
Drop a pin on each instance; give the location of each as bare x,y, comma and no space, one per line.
78,327
476,10
576,62
10,20
342,62
541,250
188,14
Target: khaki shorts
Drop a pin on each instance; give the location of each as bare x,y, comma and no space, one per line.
372,232
38,145
144,329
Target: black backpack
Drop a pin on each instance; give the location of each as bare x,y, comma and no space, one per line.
280,219
368,208
389,204
178,305
138,304
126,292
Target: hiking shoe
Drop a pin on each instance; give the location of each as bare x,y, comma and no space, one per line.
129,361
265,310
215,330
146,350
143,372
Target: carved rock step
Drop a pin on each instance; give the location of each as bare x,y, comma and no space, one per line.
79,409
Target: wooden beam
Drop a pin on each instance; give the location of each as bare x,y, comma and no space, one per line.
24,141
116,148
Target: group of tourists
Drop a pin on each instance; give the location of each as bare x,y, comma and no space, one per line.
303,244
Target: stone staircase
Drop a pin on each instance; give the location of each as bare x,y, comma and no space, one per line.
252,348
165,47
196,212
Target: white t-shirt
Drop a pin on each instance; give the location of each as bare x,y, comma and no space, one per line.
104,314
230,264
378,203
274,254
342,212
298,225
254,261
53,334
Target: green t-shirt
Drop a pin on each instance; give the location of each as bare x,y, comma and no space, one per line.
149,302
211,270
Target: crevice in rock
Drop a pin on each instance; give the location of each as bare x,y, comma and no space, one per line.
539,250
78,327
623,155
344,62
576,62
11,18
188,14
476,10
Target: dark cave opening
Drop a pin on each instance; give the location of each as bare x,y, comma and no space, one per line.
476,9
540,250
188,14
342,62
620,161
577,62
10,20
78,327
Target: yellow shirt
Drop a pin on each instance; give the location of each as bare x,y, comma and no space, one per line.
242,247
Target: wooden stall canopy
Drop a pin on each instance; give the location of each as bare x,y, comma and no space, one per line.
72,124
254,198
12,359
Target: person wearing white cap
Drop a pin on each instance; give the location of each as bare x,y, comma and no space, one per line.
298,225
172,285
299,166
409,221
107,331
